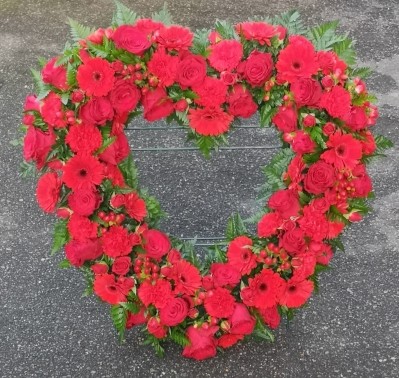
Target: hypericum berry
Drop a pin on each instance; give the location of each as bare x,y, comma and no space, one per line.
202,295
268,260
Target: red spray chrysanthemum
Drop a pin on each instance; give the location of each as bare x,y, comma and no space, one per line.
240,256
209,121
84,138
219,303
344,151
135,206
95,77
297,60
83,172
48,192
296,292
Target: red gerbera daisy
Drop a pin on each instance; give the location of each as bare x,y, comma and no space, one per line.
187,278
219,303
258,31
297,60
345,151
209,121
96,77
135,206
83,172
240,256
108,289
48,192
296,292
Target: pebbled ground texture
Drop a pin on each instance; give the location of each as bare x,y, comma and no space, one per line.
350,329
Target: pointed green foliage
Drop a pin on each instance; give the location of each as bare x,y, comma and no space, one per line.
123,15
61,235
178,336
345,51
132,307
79,31
129,171
201,42
64,264
155,343
267,111
361,72
225,29
154,211
188,252
292,21
317,135
41,88
261,331
323,36
163,16
337,244
119,318
383,143
360,205
235,227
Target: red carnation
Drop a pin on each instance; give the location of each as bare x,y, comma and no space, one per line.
97,111
225,55
55,75
175,38
337,102
135,319
302,143
48,192
117,241
297,60
84,138
209,121
84,201
157,244
271,316
296,292
202,343
241,321
174,312
148,26
224,275
116,151
52,111
313,224
269,225
240,256
344,151
228,340
191,71
241,103
124,96
164,67
131,38
264,290
109,290
306,92
96,77
82,172
286,119
186,277
157,104
135,206
77,252
81,228
219,303
257,69
257,31
285,202
211,92
158,294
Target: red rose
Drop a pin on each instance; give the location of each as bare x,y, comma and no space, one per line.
328,128
219,303
37,145
309,120
174,312
155,327
77,252
303,143
224,275
306,92
112,291
99,268
84,201
191,71
52,111
286,119
271,316
242,323
55,75
357,118
117,241
257,69
121,265
31,103
320,205
157,244
135,319
117,151
293,241
241,103
202,343
337,102
157,104
124,96
228,78
81,228
130,38
48,192
285,202
269,224
97,111
225,55
175,38
319,178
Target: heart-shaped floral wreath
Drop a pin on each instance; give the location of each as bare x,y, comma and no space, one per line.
299,80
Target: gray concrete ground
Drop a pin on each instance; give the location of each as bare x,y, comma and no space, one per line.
46,330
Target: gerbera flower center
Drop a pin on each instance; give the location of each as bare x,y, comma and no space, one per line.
245,256
262,287
296,65
112,288
97,76
83,173
292,289
340,150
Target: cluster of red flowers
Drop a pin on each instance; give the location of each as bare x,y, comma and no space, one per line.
75,136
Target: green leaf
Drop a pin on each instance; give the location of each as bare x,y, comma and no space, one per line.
41,88
154,211
132,307
178,336
119,317
324,37
291,20
188,252
17,142
101,51
345,51
225,29
361,72
317,135
201,42
337,244
123,15
27,169
235,227
61,235
129,171
267,112
163,16
155,343
79,31
64,264
383,143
